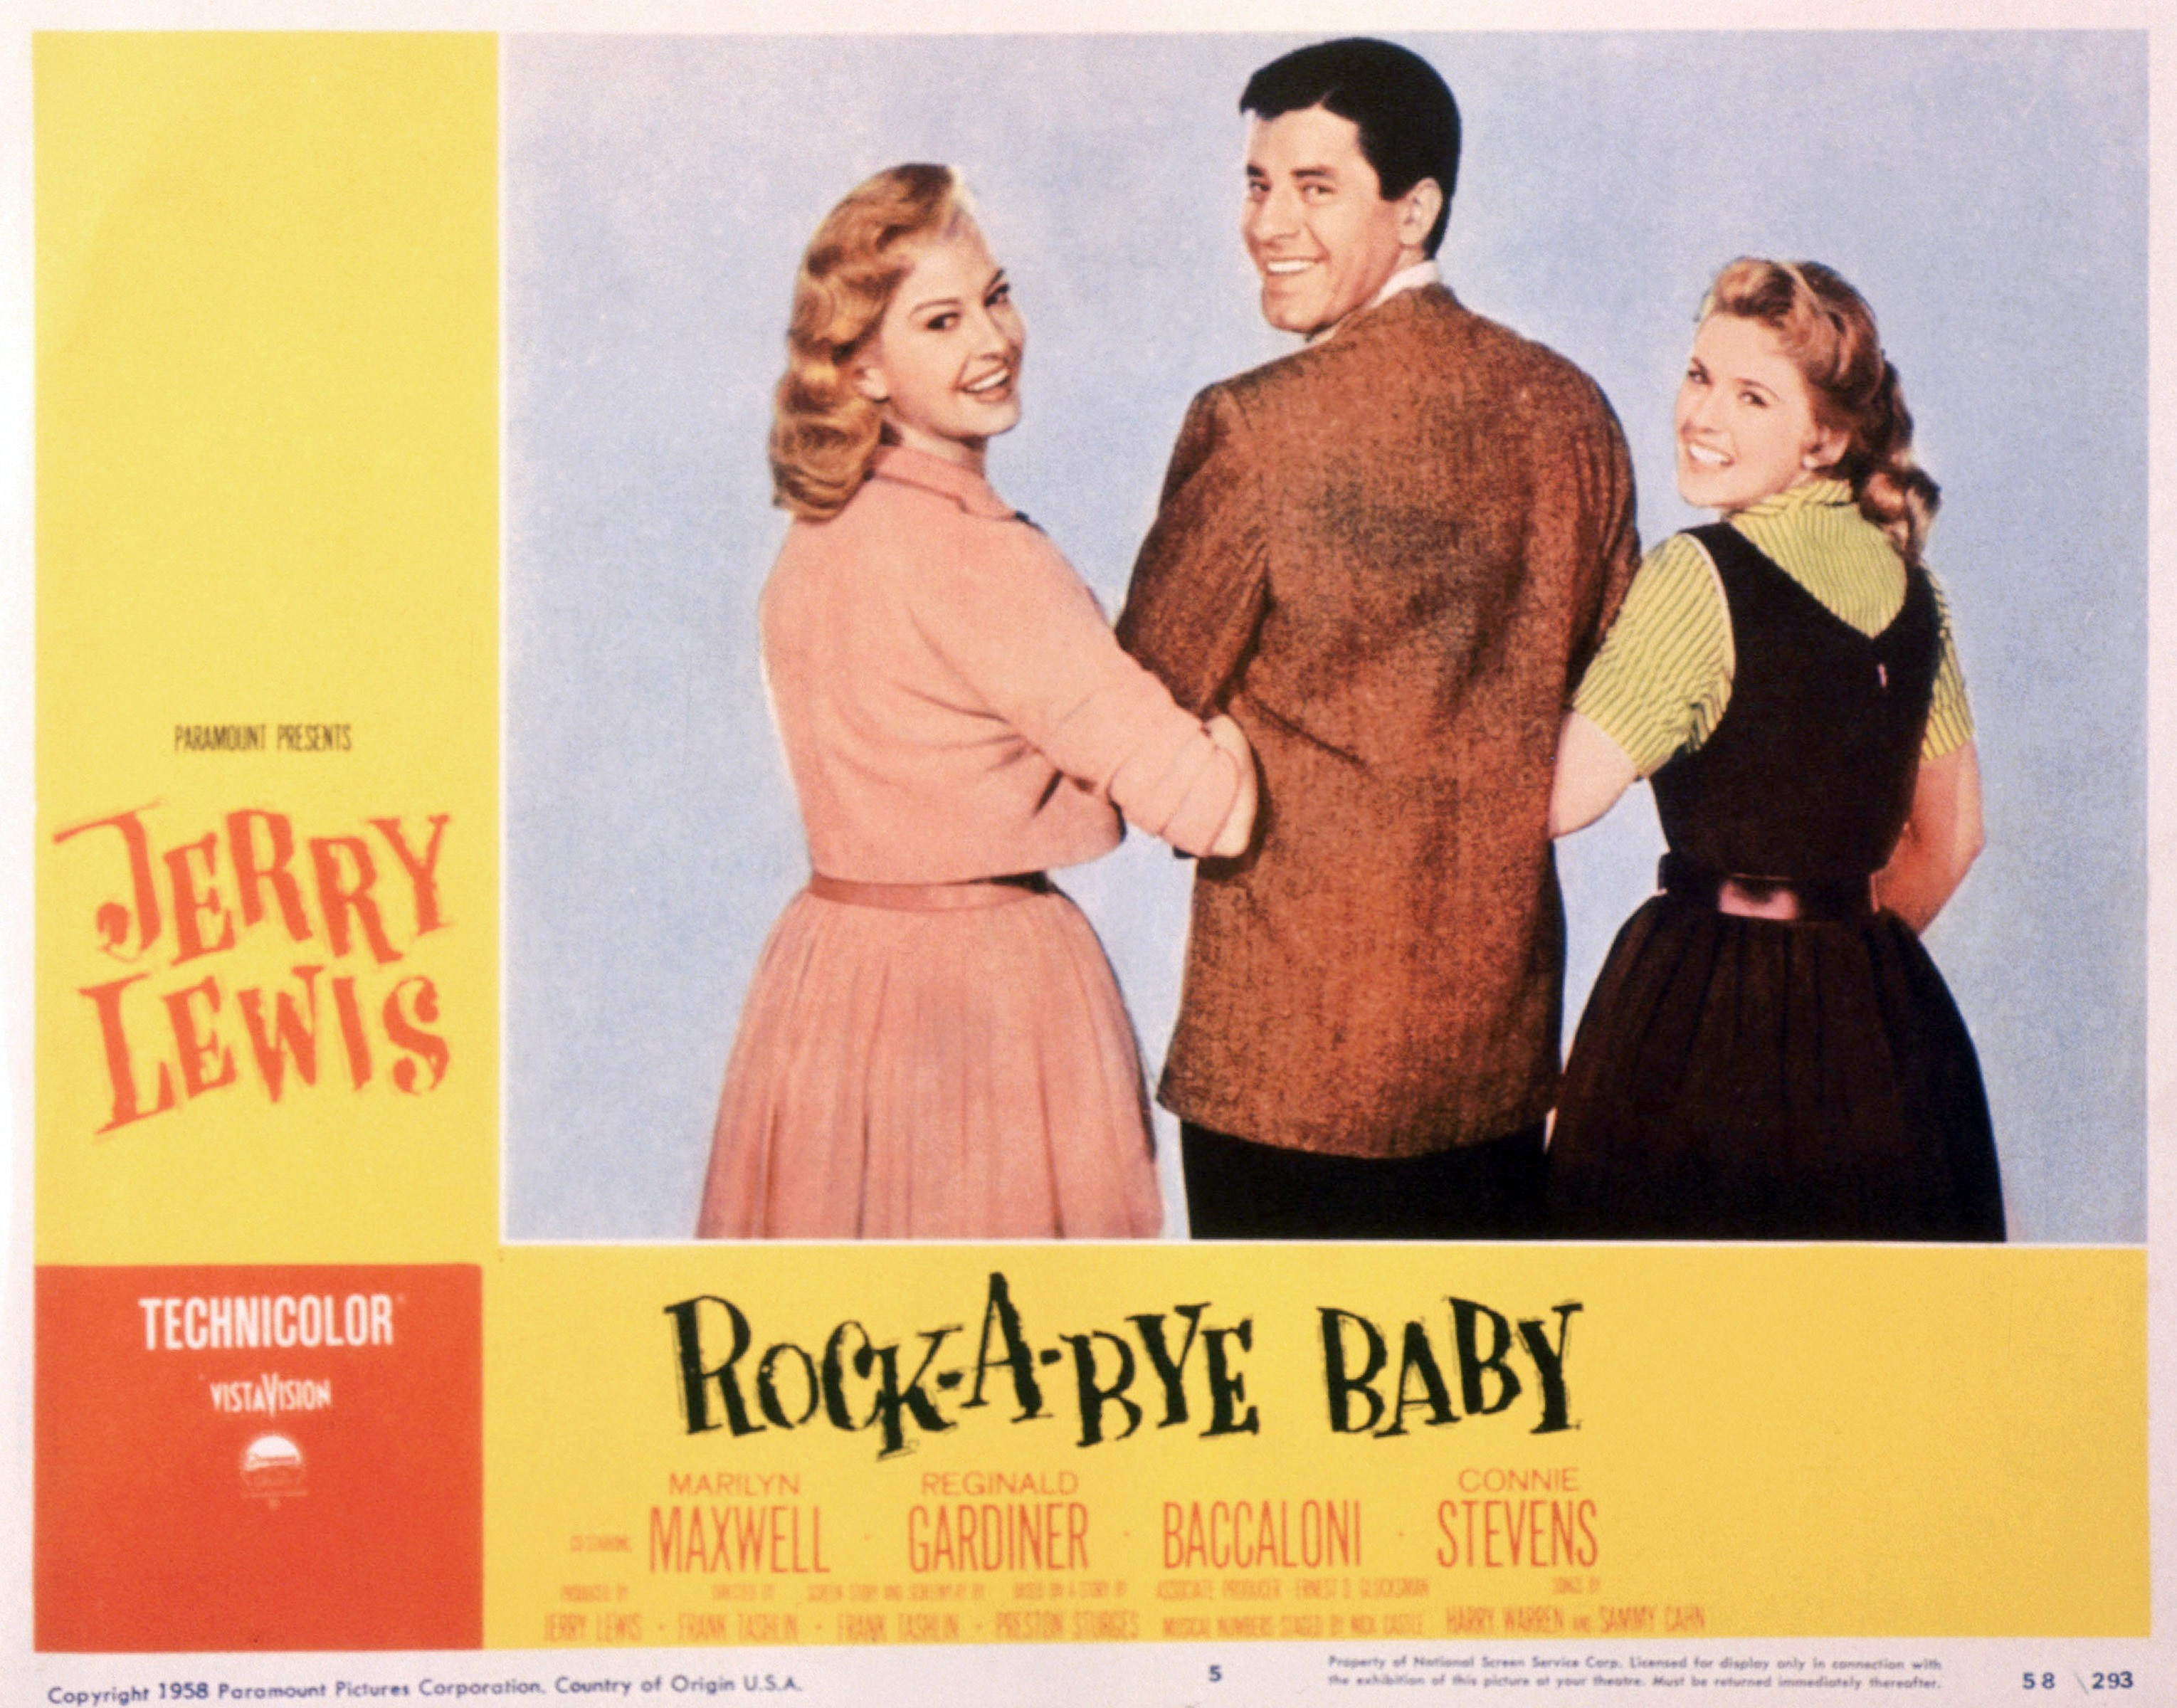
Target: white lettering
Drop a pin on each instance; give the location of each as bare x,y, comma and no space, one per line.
221,1321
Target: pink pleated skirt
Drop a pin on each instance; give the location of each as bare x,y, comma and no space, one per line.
963,1074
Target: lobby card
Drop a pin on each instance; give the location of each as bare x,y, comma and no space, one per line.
409,825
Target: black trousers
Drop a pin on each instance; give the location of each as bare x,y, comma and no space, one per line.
1237,1189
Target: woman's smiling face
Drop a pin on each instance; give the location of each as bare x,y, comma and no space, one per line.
1745,418
945,361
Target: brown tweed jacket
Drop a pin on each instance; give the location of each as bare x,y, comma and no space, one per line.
1389,556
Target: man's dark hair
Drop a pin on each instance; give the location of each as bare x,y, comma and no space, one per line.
1408,123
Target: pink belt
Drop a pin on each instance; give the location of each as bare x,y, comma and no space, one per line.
1757,898
931,899
1789,899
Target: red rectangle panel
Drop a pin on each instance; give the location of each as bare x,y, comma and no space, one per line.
260,1457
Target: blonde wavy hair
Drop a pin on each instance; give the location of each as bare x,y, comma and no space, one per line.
824,433
1829,332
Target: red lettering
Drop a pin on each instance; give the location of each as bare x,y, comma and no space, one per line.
112,918
119,1073
352,1033
420,873
189,907
288,1035
253,876
196,1051
337,898
406,1035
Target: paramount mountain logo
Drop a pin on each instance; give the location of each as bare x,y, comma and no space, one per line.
272,1468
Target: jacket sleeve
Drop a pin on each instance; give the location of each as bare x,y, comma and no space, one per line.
1200,583
1023,633
1604,472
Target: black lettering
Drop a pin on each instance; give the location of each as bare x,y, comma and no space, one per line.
1417,1358
998,1313
892,1398
1169,1370
1549,1364
833,1376
1466,1318
767,1385
1094,1398
1228,1385
695,1380
1338,1386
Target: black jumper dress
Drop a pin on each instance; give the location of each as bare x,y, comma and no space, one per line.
1750,1079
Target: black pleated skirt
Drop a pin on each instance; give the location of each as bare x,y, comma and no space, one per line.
1737,1079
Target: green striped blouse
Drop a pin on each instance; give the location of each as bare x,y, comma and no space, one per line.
1662,678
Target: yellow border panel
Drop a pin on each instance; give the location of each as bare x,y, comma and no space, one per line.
267,523
1931,1442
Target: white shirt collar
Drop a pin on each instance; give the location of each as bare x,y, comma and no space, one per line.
1405,278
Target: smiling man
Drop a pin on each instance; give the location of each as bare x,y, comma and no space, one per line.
1389,555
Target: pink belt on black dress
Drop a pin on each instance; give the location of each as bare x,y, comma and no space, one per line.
931,899
1793,900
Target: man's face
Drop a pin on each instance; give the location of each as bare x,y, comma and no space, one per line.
1317,226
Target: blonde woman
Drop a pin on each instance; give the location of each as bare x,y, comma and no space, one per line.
1769,1052
933,1045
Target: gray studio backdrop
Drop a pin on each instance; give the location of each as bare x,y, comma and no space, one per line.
1987,191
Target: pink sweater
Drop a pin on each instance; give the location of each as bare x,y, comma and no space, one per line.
952,703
